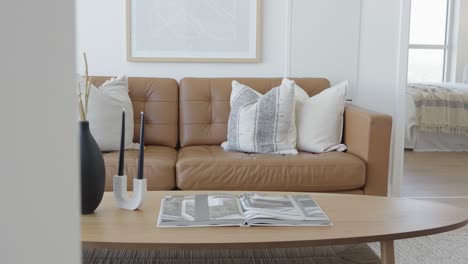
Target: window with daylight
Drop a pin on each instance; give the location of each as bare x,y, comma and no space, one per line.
429,40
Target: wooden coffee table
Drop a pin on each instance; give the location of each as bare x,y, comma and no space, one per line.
357,219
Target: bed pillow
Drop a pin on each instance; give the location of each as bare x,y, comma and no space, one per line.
319,119
261,123
105,114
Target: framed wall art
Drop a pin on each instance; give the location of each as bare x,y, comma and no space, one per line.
193,30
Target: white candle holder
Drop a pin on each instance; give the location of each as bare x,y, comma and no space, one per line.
121,194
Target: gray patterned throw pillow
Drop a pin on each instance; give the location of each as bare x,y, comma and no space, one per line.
262,123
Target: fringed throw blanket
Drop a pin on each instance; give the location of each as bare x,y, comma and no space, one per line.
439,109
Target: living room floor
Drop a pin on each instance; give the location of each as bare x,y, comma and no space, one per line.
437,176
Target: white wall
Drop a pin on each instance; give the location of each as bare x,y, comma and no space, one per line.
368,59
382,74
379,57
462,50
101,33
39,202
325,40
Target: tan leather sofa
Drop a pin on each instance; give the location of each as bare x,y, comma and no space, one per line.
158,98
187,123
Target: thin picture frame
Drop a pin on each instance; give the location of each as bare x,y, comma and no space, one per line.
255,59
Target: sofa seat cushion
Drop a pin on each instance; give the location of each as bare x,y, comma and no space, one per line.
212,168
159,168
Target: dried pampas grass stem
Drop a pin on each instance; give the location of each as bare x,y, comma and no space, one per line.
83,106
80,105
88,83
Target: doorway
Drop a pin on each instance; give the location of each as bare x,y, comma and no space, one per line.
435,151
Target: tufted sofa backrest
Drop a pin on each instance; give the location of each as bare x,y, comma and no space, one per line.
158,98
204,105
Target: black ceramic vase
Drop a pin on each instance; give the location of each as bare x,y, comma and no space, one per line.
93,172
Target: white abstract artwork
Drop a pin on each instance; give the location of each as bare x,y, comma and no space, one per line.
193,30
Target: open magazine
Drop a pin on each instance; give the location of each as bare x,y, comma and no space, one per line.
249,209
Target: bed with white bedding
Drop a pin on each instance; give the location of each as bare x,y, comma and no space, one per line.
437,117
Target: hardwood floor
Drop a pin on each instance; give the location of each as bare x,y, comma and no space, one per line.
438,177
435,174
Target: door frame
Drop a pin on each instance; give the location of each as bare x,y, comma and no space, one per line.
400,100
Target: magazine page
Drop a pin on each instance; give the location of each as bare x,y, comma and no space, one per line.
282,210
201,210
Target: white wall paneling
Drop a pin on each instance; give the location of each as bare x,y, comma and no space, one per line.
355,40
288,39
378,55
101,33
325,40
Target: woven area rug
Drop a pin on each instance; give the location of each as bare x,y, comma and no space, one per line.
449,248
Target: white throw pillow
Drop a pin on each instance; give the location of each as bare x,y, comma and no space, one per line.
261,123
319,119
105,114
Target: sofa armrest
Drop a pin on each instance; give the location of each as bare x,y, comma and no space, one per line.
367,135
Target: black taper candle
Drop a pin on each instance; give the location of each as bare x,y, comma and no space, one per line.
142,147
122,146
